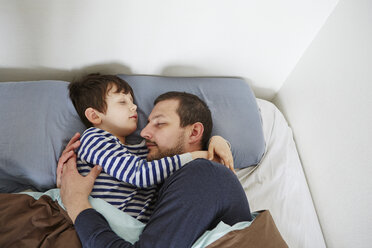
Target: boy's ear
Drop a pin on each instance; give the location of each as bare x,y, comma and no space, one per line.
196,133
93,116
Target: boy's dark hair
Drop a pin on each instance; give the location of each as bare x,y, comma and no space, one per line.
191,109
91,92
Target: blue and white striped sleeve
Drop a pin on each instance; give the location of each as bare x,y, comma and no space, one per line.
103,149
139,149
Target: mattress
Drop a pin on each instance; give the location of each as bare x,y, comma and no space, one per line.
278,183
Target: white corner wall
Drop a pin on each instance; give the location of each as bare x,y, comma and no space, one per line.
258,40
327,101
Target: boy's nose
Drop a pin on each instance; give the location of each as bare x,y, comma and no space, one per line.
134,107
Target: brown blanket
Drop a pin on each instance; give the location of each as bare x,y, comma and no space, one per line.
261,233
26,222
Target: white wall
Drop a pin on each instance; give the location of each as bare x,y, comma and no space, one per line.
327,100
259,40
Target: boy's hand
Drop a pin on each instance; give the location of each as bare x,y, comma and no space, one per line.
199,154
73,144
219,151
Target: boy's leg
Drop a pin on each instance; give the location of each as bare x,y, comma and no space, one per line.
195,199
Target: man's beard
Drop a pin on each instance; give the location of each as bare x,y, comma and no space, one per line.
176,150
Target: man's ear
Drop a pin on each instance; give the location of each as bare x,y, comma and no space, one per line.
196,133
93,116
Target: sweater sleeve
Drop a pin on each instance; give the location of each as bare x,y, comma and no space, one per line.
94,231
139,149
102,148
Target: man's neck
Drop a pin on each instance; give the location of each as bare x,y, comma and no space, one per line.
193,148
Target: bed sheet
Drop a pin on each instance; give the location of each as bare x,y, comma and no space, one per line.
278,183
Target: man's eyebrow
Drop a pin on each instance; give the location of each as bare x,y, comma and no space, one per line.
155,117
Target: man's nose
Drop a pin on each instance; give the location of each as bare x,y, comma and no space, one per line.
146,132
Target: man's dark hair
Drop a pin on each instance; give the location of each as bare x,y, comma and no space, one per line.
191,109
91,92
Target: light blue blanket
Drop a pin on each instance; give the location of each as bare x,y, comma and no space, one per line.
129,228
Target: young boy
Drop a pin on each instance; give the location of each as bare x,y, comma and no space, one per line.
128,181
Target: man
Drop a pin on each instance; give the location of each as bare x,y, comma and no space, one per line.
194,199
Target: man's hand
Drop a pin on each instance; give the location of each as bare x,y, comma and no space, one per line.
76,188
219,151
73,144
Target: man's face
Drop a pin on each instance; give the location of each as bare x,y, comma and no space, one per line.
163,134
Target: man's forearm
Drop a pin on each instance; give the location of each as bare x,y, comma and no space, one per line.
94,231
76,209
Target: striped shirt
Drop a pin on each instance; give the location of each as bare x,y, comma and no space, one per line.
127,180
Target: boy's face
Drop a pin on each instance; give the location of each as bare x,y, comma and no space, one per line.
120,118
163,133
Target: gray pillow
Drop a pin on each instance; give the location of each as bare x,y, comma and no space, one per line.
233,105
37,121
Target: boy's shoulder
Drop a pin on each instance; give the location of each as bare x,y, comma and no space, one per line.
94,132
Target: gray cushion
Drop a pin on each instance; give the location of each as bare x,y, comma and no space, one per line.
37,121
233,105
